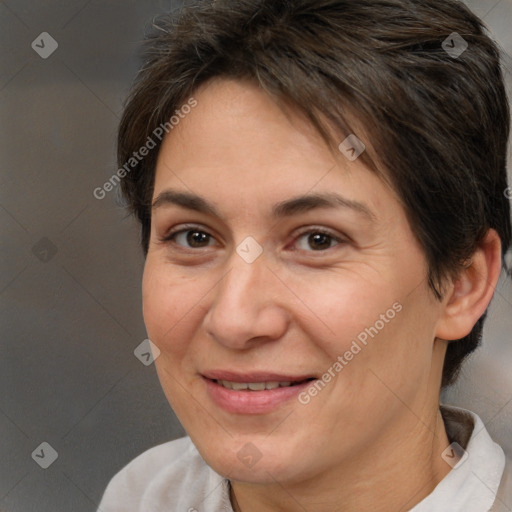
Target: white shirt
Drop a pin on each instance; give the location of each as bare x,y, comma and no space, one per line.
173,477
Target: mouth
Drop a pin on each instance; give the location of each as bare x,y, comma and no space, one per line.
259,386
253,393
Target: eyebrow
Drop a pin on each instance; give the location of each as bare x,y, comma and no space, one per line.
287,208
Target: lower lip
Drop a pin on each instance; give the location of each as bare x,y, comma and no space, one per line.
252,402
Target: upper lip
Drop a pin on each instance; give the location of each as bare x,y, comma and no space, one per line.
254,376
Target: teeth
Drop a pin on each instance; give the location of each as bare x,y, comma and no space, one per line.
252,386
257,386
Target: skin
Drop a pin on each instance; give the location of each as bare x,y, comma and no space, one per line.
296,308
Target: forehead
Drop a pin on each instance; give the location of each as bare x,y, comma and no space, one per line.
237,141
236,120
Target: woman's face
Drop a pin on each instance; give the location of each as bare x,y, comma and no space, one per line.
271,261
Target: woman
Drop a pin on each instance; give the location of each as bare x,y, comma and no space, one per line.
321,190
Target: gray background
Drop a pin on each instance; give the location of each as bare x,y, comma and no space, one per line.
71,267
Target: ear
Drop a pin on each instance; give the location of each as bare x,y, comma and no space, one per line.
471,291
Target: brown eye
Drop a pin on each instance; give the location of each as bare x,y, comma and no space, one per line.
317,241
197,238
190,238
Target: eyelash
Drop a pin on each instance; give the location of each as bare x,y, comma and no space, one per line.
170,237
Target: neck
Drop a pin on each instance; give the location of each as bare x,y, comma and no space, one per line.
369,483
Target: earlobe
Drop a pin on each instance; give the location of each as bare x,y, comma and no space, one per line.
472,290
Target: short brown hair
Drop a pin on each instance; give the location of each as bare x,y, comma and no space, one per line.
438,123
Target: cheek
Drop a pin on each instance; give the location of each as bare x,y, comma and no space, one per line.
169,306
374,326
170,309
344,308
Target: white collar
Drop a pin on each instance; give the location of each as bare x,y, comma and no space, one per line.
472,485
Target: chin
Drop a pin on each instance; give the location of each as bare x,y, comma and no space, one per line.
263,472
246,461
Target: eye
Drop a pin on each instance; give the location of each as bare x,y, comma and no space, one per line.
317,240
191,237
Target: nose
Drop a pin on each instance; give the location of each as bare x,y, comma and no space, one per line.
247,305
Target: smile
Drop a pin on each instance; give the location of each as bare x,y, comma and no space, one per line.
254,386
259,396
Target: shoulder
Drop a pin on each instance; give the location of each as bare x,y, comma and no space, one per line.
503,501
171,476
